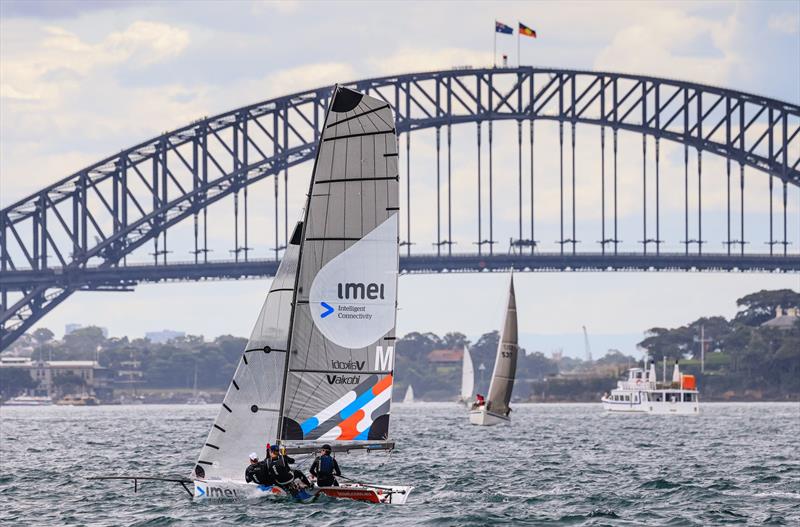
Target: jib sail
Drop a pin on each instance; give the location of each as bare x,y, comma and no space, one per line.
505,366
342,338
249,416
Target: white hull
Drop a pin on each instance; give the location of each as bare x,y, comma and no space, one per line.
237,490
652,407
481,417
29,401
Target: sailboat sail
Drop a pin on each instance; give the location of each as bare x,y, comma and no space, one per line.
409,398
467,376
505,366
342,337
248,418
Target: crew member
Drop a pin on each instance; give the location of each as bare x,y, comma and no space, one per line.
479,401
325,467
256,472
278,467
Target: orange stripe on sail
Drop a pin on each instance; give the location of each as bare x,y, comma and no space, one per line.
348,426
382,385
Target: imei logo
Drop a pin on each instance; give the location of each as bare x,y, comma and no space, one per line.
359,291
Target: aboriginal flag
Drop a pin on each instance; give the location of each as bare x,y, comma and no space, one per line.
525,31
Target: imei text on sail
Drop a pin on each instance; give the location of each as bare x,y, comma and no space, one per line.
353,312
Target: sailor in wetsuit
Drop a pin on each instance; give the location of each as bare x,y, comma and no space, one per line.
256,472
325,467
278,467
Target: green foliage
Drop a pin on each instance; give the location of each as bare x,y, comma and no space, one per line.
760,307
14,381
68,383
43,335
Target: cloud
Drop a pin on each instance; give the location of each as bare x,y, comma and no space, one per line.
422,59
676,44
789,24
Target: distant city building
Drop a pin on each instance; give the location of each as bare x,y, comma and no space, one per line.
785,318
92,378
164,336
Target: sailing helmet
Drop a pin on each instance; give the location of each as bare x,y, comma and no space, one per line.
326,447
275,448
253,456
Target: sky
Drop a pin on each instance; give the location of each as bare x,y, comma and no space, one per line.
81,80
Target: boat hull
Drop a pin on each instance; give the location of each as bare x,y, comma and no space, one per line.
652,407
234,490
482,417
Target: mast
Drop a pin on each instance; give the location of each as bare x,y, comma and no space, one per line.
298,236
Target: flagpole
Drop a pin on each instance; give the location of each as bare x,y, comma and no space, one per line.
494,52
518,44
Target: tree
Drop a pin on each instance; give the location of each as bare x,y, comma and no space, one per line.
14,381
670,343
68,383
82,343
43,335
616,357
760,307
455,340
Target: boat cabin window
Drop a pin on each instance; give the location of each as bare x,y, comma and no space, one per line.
658,397
688,397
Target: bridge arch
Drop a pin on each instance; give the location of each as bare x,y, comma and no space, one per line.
97,216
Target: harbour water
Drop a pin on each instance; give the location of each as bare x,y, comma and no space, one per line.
555,465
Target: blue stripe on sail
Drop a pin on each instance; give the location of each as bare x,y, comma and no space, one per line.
356,405
309,424
363,436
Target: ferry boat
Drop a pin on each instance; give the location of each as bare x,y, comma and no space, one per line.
29,400
641,393
78,400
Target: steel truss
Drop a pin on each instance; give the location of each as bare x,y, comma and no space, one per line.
62,238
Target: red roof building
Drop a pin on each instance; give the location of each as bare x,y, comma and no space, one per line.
445,356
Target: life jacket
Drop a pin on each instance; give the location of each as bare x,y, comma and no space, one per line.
280,469
325,466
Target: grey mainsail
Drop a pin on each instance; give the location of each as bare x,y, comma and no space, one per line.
249,416
341,360
505,366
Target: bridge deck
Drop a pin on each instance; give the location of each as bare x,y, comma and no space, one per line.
94,277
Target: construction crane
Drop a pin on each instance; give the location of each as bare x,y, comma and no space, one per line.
587,349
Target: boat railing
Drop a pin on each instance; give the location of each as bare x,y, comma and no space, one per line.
637,385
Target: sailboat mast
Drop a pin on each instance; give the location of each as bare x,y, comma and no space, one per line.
299,262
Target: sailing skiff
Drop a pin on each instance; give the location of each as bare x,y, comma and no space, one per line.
318,367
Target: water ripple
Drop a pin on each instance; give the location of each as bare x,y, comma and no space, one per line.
555,465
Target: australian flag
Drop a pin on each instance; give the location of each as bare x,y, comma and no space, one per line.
499,27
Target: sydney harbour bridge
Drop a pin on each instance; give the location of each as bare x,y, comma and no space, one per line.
117,223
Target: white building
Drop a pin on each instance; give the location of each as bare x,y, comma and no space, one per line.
95,378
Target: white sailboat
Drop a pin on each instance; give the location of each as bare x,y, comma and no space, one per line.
409,397
467,377
318,367
195,398
495,409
